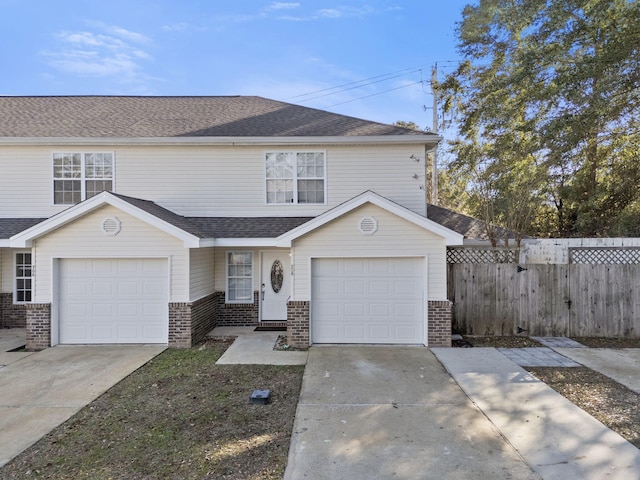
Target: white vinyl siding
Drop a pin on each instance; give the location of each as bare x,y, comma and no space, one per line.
84,239
394,237
201,272
216,181
6,270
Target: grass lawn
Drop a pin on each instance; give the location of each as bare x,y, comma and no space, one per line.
178,417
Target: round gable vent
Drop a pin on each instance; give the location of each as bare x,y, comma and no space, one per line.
111,226
368,225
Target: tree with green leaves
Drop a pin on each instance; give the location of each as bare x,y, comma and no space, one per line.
546,104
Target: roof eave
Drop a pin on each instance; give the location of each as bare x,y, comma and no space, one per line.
427,139
25,238
449,236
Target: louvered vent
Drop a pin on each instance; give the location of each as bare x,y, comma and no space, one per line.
111,226
368,225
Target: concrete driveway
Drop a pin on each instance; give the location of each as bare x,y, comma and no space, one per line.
39,391
392,412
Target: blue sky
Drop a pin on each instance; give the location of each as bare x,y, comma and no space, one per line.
285,50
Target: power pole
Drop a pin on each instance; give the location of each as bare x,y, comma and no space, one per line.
434,156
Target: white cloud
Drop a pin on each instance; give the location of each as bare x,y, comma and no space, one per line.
283,6
176,27
329,13
112,51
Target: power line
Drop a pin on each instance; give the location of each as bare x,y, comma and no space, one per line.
388,76
374,94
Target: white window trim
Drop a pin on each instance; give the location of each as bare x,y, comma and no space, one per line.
227,277
16,278
295,178
83,179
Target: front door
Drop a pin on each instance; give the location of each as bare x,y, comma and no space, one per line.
275,285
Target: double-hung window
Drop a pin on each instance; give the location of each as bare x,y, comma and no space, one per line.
295,177
239,277
78,176
24,271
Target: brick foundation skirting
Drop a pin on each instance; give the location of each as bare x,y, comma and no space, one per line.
203,317
439,328
298,324
38,324
12,315
237,314
190,322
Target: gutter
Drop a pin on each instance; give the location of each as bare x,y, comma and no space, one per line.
227,141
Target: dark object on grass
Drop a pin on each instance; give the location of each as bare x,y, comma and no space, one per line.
521,330
260,397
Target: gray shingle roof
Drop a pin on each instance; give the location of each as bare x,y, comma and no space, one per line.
201,227
134,117
10,226
220,227
469,227
247,227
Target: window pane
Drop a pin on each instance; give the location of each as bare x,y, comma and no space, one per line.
310,191
239,280
66,191
279,191
23,277
93,187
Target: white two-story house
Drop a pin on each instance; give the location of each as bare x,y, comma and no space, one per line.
155,219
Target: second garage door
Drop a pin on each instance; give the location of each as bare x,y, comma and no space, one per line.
115,300
368,300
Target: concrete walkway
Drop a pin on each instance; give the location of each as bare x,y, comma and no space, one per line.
39,391
557,439
383,412
255,348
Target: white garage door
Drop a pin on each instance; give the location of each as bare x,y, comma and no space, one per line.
367,300
113,301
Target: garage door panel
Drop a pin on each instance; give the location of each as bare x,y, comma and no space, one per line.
379,310
367,300
379,332
353,286
380,287
353,310
354,333
113,301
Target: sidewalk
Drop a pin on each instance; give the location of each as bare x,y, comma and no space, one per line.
557,439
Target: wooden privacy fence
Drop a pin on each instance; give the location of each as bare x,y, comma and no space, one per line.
582,300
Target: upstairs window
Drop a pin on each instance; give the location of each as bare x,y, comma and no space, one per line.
23,278
78,176
295,177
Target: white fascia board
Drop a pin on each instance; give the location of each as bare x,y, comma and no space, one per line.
24,238
338,140
5,243
245,242
450,237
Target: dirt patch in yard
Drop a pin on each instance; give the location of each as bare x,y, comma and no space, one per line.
601,397
495,341
181,417
601,342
